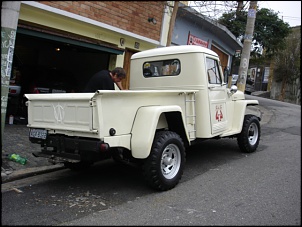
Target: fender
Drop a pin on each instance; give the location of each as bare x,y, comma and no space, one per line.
253,110
242,108
144,127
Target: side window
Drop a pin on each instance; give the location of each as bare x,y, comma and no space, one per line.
161,68
213,72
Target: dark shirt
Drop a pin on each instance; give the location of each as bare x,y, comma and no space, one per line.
100,81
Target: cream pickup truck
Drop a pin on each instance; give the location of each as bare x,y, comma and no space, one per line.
177,98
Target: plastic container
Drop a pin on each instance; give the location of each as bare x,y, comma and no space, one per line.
18,158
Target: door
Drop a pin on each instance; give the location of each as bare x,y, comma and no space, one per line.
217,96
224,58
126,66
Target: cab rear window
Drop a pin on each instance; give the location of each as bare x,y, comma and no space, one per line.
161,68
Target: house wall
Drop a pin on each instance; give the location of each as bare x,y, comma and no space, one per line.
183,26
130,16
104,21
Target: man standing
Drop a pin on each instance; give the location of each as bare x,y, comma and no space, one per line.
105,79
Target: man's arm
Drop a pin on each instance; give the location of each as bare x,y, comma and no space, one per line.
120,86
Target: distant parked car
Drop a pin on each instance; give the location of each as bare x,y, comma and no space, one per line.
234,78
249,86
249,89
14,88
14,91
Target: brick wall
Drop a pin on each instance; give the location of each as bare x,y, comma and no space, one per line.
131,16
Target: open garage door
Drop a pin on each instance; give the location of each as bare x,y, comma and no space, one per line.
47,63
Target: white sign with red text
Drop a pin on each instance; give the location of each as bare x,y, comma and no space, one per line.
193,40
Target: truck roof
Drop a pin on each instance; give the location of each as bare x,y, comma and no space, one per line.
173,50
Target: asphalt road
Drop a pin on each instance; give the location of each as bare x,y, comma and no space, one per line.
220,186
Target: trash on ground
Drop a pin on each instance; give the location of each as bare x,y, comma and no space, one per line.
17,158
17,190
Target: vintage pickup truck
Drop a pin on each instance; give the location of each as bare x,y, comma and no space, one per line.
177,97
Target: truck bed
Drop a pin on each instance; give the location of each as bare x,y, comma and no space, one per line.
83,114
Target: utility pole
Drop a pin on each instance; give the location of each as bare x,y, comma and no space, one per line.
238,10
9,21
172,22
246,51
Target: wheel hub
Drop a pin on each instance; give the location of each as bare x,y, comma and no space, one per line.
251,133
170,161
167,160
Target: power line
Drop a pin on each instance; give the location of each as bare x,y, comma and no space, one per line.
292,17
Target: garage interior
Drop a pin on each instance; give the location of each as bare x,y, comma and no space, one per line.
47,60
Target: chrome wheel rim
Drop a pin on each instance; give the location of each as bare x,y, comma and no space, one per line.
170,161
253,134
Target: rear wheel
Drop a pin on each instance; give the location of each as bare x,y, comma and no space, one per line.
164,167
248,139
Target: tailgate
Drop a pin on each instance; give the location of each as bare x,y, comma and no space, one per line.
68,112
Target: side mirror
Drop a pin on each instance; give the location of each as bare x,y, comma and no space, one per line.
233,89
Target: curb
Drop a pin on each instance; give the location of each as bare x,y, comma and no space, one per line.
20,174
266,115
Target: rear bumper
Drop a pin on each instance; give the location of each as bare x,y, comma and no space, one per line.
62,148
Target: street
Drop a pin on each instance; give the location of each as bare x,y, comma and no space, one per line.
220,186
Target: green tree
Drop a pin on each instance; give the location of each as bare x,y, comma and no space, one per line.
269,31
287,69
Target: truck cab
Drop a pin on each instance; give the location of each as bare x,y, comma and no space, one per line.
198,69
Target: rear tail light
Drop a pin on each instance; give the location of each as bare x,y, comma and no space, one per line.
12,91
104,147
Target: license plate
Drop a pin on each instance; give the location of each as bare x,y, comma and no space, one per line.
38,133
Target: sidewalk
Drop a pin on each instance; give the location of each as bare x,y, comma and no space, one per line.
15,140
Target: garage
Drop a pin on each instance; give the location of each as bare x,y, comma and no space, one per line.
48,63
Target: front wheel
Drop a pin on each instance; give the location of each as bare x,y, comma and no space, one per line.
164,167
248,139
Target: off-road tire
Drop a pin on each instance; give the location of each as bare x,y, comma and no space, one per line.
165,165
248,139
